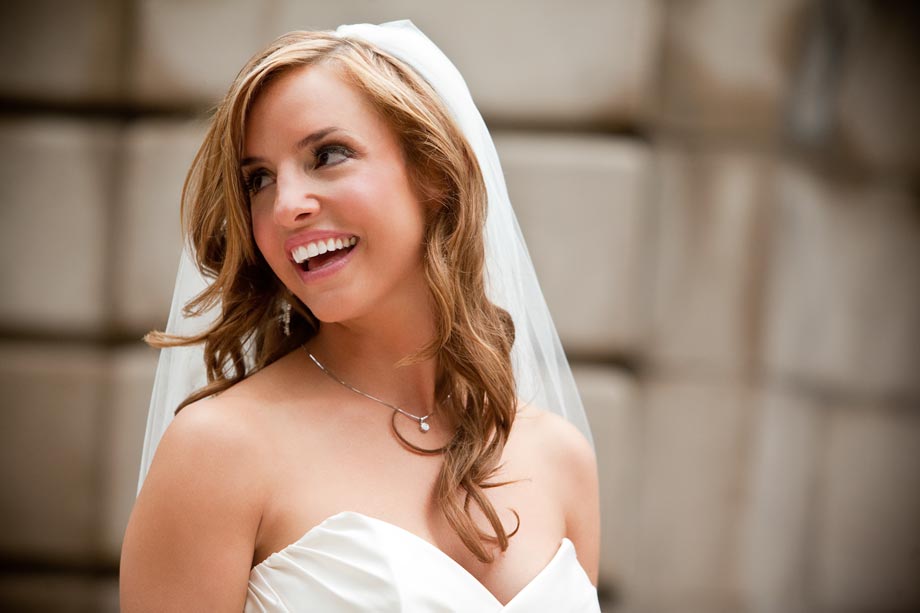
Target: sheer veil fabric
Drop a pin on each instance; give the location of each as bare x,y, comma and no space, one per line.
541,370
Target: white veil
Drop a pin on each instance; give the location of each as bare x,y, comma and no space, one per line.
541,370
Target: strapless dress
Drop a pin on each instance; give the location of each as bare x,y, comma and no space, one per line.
353,562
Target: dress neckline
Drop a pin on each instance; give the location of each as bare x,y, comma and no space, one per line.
425,543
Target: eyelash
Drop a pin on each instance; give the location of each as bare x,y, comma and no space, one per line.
250,179
332,148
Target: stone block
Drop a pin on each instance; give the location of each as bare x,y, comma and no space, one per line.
868,531
558,65
189,52
710,245
580,202
148,239
526,61
694,494
728,66
843,306
131,375
788,447
107,596
612,403
876,115
61,593
55,188
49,452
60,51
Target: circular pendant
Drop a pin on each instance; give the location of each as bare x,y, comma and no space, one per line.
423,426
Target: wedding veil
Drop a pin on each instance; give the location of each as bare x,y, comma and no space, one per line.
540,367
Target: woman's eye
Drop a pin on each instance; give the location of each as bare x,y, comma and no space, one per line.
257,181
332,155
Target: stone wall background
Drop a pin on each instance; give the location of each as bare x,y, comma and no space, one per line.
734,182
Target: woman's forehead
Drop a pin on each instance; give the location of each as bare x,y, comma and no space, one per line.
307,99
314,89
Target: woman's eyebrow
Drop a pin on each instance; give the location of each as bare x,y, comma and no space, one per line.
308,140
304,142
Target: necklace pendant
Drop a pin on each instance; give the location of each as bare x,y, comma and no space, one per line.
423,426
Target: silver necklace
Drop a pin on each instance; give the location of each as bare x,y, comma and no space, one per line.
422,423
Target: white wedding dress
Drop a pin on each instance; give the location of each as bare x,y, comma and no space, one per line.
353,562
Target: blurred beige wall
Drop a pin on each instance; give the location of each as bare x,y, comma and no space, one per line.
721,200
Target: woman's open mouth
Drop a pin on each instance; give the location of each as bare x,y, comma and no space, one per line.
322,253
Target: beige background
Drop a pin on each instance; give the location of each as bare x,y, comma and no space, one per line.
721,200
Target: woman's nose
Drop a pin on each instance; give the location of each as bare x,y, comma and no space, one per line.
296,200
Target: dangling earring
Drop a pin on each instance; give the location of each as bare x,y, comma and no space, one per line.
285,317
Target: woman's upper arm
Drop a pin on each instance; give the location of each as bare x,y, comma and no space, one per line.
580,487
190,539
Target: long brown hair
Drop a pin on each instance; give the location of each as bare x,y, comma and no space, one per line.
473,337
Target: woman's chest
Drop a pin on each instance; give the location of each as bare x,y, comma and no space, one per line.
399,490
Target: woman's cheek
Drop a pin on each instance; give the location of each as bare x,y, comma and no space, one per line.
264,243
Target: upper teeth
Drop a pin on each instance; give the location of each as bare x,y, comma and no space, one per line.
305,252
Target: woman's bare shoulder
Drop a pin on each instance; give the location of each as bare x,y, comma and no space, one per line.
562,449
557,436
568,458
222,427
227,436
191,535
228,429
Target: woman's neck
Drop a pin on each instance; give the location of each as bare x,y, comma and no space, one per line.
367,354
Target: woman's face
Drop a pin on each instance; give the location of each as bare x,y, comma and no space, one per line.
333,211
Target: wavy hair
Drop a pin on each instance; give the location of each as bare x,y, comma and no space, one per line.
473,337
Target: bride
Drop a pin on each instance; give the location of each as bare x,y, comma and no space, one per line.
374,409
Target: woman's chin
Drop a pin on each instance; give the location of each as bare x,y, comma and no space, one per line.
332,313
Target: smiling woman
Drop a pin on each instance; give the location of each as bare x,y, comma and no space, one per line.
362,272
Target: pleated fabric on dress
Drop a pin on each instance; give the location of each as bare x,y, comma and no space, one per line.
352,562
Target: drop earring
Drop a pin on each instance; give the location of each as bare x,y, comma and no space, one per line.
285,317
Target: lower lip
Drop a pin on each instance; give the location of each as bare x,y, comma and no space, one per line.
321,274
